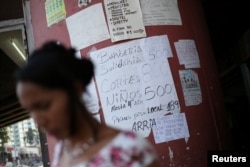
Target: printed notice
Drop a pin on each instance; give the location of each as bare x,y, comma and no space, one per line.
135,83
190,87
160,12
55,11
87,27
187,53
124,19
170,127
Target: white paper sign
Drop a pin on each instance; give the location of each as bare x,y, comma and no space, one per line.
160,12
90,98
124,19
87,27
135,83
190,87
170,127
187,53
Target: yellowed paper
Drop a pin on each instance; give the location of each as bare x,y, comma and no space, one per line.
55,11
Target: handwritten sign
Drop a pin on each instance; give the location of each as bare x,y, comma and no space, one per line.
187,53
160,12
124,19
135,83
170,127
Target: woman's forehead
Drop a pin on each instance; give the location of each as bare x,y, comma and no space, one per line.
28,86
31,90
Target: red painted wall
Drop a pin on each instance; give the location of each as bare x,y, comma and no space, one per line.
207,122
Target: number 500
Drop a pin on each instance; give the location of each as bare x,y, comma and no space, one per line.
160,91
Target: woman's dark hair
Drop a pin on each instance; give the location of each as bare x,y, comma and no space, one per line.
56,67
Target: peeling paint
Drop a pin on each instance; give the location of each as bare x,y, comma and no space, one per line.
186,139
170,153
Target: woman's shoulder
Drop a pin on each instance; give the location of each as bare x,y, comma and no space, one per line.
129,135
127,148
128,140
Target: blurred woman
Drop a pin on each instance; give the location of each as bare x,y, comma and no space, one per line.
50,88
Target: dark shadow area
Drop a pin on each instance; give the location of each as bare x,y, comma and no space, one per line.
228,22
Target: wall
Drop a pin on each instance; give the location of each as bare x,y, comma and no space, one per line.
207,122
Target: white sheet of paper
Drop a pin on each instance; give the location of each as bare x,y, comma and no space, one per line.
78,54
187,53
190,87
97,117
170,127
87,27
160,12
151,47
129,100
124,19
90,98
